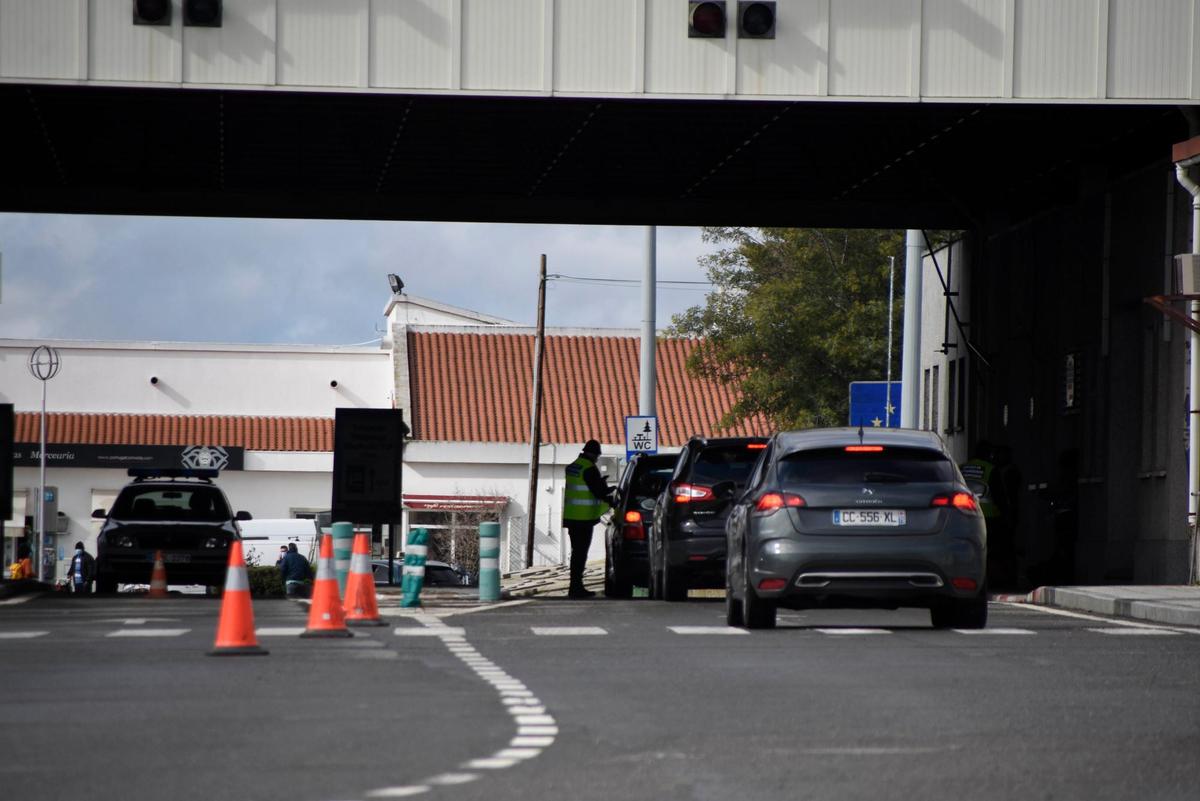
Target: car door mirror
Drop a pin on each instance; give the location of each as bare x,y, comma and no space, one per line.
99,513
243,516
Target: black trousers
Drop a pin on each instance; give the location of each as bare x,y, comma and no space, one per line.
580,533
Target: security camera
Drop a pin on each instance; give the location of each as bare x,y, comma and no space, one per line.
153,379
396,284
333,383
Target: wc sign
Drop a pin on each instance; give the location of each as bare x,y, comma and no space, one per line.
641,435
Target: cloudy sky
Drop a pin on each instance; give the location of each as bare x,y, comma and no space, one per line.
312,281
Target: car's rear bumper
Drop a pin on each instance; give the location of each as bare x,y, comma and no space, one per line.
883,571
135,565
702,558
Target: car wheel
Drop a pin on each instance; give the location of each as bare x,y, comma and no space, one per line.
733,609
608,582
971,613
106,585
756,612
616,585
655,592
674,584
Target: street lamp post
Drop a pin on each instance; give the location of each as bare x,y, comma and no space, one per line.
44,364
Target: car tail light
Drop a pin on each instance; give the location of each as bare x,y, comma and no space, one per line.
771,584
964,583
633,516
962,501
633,531
864,449
756,446
771,501
687,493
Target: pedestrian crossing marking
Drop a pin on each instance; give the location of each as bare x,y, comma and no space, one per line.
280,631
568,631
1136,631
147,632
706,630
854,631
21,635
1000,631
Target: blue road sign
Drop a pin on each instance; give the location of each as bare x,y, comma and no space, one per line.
869,404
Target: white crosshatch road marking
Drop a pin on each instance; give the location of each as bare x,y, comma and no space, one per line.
568,631
147,632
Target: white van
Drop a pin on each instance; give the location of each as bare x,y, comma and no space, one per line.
261,539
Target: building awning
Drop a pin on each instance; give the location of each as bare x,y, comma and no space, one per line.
455,503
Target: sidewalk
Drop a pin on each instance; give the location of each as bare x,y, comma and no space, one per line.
1171,605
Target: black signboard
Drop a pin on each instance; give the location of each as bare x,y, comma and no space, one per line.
25,454
6,460
368,449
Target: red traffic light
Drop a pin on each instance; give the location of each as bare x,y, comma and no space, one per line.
706,20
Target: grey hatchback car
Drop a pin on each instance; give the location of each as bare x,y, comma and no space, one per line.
845,517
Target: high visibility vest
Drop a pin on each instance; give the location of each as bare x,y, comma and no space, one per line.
978,474
578,501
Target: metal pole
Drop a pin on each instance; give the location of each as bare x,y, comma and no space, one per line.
41,508
910,366
648,374
887,403
535,423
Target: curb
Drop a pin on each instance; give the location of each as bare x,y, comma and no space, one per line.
1172,606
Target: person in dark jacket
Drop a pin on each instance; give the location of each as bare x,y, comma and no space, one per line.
586,499
294,571
83,570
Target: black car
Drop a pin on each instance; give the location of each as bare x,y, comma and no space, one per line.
437,574
178,512
626,561
844,517
687,542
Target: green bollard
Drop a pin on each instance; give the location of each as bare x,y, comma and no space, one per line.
489,561
343,544
414,567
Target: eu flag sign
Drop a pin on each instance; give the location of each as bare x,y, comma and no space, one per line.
871,406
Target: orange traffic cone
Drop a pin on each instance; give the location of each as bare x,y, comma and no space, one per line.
158,578
325,616
360,606
235,631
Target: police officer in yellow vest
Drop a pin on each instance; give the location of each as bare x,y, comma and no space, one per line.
586,498
982,477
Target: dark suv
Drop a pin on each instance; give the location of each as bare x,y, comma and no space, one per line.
179,512
625,536
687,543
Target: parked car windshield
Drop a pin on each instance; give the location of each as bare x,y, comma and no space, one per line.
891,465
191,503
719,463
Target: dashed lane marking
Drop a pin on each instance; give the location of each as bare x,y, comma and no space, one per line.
147,632
440,631
280,631
568,631
853,631
21,635
999,631
1136,632
706,630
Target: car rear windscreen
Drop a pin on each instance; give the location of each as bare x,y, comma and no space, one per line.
199,503
889,466
718,463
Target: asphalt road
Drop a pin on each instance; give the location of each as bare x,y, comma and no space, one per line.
116,698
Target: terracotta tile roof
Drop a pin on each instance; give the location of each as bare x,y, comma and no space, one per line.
251,433
476,388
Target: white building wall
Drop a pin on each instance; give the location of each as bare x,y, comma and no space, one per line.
939,402
983,50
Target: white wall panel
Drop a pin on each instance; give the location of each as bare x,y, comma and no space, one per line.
792,62
121,51
502,44
411,44
676,64
962,49
602,55
43,38
322,43
870,47
1150,51
1056,48
241,51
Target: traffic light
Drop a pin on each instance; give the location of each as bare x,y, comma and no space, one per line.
706,20
202,13
756,20
151,12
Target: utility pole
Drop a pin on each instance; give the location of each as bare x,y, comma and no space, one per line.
910,361
649,287
887,395
535,423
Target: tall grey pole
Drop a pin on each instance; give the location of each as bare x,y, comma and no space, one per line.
41,507
887,395
535,421
649,289
910,366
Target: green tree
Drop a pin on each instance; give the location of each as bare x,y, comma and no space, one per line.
795,316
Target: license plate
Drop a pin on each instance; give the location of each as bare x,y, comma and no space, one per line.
177,557
868,517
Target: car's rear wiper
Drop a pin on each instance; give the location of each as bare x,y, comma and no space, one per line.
885,478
